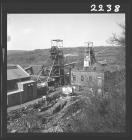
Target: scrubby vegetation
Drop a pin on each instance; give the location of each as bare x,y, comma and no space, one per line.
105,114
80,113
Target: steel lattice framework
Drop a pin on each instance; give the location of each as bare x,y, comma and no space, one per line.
57,69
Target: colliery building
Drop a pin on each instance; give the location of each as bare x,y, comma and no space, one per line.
20,87
91,77
88,79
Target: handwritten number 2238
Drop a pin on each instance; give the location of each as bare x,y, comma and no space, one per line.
109,8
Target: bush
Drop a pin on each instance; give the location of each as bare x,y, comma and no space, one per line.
102,114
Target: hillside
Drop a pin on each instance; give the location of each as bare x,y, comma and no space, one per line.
42,56
11,52
84,112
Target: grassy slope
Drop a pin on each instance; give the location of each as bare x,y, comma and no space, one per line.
93,114
42,56
106,115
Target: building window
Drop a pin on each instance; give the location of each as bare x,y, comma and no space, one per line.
99,81
74,77
82,78
90,78
80,88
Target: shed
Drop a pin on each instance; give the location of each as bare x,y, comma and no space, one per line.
20,87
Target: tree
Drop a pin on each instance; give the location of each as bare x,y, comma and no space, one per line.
118,40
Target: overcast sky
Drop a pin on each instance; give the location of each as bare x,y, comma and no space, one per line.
35,31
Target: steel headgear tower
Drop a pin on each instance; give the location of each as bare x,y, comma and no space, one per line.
57,71
89,57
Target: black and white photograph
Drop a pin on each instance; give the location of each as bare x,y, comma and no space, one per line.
66,73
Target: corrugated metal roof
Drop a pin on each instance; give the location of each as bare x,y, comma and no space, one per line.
16,72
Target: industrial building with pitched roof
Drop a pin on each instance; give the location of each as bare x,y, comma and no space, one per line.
20,87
